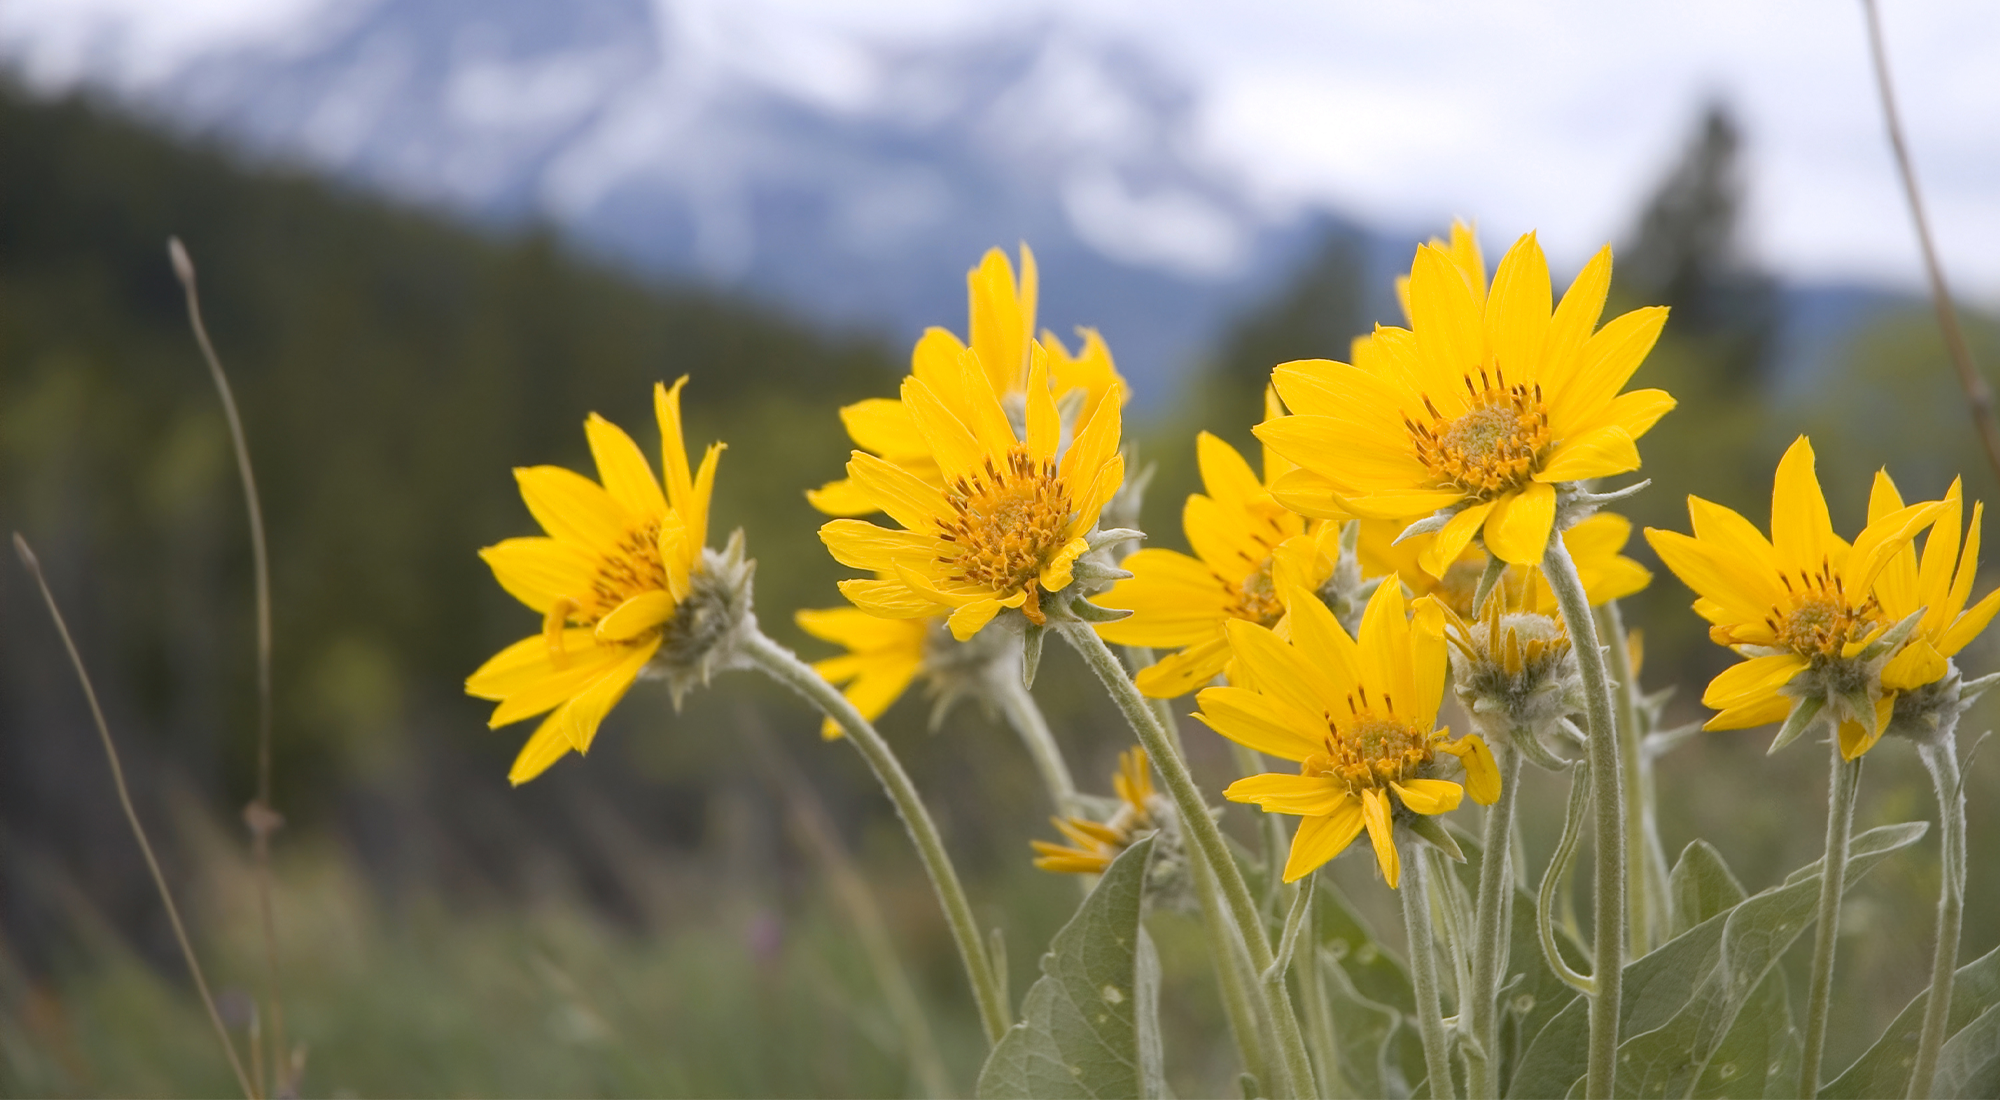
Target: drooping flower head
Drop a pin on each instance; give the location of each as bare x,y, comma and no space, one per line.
1001,315
1360,720
1801,606
1939,585
1481,408
1094,844
620,559
1243,541
1008,522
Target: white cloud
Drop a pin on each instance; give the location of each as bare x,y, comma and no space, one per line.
1552,115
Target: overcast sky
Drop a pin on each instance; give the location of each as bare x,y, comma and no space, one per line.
1549,115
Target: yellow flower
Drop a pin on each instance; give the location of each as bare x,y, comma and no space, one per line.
1009,522
1359,719
1803,600
1484,405
1097,844
1243,539
1939,586
1594,543
1002,316
883,656
607,580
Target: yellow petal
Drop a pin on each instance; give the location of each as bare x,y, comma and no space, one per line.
1600,452
1751,680
1179,673
539,571
909,500
623,469
1321,838
573,508
636,616
883,425
862,545
1801,532
1044,423
1271,726
1518,532
889,599
1574,320
673,444
547,746
842,498
1429,796
969,619
1381,831
583,714
1310,796
1451,540
1604,364
1482,772
1517,309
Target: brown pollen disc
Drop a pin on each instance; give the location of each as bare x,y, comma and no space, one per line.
1495,446
1006,522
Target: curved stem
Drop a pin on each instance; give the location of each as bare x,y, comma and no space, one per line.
783,666
1423,968
1940,758
1026,717
1490,934
1608,798
1201,828
260,815
1845,777
1553,878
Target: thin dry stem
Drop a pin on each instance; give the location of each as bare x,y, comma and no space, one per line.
34,568
260,815
1978,395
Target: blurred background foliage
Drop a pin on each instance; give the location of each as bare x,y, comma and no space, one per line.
638,922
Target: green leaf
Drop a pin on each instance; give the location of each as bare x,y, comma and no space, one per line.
1885,1069
1760,1056
1969,1064
1369,996
1090,1026
1702,886
1682,1001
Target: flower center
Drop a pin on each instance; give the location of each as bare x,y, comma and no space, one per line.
1257,597
1820,621
633,569
1496,446
1005,523
1371,750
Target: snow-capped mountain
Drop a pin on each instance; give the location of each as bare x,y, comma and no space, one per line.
855,181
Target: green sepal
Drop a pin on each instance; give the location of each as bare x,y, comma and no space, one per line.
1797,722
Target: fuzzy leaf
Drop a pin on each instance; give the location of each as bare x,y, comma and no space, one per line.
1760,1056
1369,996
1885,1069
1682,1001
1702,887
1090,1025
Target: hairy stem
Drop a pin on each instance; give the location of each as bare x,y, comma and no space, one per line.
1940,757
1646,890
1026,717
1270,828
1202,830
1841,783
1490,935
34,568
1607,797
782,665
1240,999
1423,968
